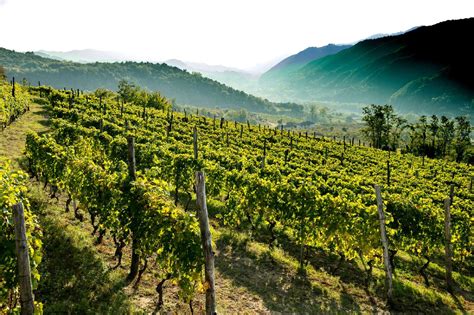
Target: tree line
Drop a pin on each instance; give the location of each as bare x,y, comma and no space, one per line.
434,137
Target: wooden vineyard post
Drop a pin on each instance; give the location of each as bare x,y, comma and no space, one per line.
135,261
388,173
13,87
451,194
170,126
383,235
264,153
241,130
195,143
448,248
131,158
23,259
206,243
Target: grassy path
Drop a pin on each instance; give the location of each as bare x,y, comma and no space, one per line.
12,139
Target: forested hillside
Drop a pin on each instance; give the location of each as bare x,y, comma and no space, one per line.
427,70
184,87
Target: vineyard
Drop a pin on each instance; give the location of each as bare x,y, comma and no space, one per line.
130,167
14,101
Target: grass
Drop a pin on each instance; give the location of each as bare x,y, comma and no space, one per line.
75,277
251,277
12,139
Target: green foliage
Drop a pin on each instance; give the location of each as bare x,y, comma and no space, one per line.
441,138
127,91
12,107
320,192
78,162
383,126
12,191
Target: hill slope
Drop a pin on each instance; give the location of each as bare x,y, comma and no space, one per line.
184,87
296,61
428,69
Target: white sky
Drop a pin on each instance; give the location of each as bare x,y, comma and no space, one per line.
238,33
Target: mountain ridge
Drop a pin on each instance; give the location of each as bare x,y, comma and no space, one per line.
298,60
428,68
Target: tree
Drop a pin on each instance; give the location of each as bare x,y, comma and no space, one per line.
127,91
418,136
463,141
380,120
399,124
103,93
433,128
446,132
155,100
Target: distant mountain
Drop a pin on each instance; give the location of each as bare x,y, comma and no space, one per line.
380,35
295,62
233,77
426,70
178,64
199,67
45,54
84,55
184,87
